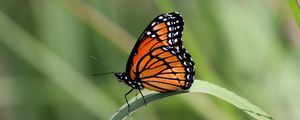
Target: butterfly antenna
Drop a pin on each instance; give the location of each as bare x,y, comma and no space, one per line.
97,74
98,61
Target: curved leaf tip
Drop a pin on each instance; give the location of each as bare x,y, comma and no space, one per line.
199,86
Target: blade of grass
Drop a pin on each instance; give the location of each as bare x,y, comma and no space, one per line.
199,86
58,71
295,7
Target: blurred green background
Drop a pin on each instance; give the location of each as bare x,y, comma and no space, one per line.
250,47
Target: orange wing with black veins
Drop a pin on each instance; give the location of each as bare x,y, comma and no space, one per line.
164,30
165,69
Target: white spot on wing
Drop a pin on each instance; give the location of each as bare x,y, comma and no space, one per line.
170,41
176,33
176,40
180,57
148,33
153,23
188,76
173,52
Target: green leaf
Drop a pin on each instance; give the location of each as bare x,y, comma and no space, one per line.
199,86
295,7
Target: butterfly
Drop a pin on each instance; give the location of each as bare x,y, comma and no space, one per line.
158,61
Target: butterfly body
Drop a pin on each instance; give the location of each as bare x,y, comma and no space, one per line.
158,60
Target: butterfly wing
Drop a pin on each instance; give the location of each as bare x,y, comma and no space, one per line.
164,30
165,69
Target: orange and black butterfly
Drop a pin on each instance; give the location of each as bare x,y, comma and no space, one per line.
158,60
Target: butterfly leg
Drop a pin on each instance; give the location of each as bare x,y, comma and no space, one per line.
143,97
127,99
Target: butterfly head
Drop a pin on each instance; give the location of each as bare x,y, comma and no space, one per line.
121,76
